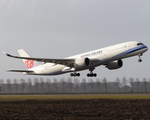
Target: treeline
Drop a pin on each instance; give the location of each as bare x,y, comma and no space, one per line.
73,85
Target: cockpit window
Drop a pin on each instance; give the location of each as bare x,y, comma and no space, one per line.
140,44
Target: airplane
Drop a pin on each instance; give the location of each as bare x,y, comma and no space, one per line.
111,57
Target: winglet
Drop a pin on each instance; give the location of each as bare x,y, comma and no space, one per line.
6,53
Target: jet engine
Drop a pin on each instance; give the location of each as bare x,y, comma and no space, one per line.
114,65
81,63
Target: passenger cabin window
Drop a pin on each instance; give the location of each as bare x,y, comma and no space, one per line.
140,44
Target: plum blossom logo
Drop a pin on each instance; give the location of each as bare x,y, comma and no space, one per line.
29,63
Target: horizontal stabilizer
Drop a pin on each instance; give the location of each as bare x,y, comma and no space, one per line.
20,71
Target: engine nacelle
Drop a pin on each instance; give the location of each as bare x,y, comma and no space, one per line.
81,63
115,64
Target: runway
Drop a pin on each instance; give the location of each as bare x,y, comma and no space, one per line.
61,95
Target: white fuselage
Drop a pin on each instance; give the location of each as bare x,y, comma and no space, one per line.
103,56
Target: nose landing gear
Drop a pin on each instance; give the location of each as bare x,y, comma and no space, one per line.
140,60
91,74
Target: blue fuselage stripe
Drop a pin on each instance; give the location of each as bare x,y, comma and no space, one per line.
136,49
130,51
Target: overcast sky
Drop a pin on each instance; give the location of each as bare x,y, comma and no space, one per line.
62,28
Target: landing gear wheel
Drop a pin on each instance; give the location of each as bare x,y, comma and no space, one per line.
95,75
71,74
140,60
78,74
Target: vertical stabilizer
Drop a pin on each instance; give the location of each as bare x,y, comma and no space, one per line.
28,63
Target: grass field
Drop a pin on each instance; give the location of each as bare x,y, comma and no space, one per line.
73,96
73,106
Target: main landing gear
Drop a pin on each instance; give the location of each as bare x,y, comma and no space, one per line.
91,74
140,60
74,74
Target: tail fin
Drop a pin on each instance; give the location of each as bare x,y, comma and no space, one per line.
28,63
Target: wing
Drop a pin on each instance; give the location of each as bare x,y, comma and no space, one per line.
67,62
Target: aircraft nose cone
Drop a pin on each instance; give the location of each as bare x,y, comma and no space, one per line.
146,48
